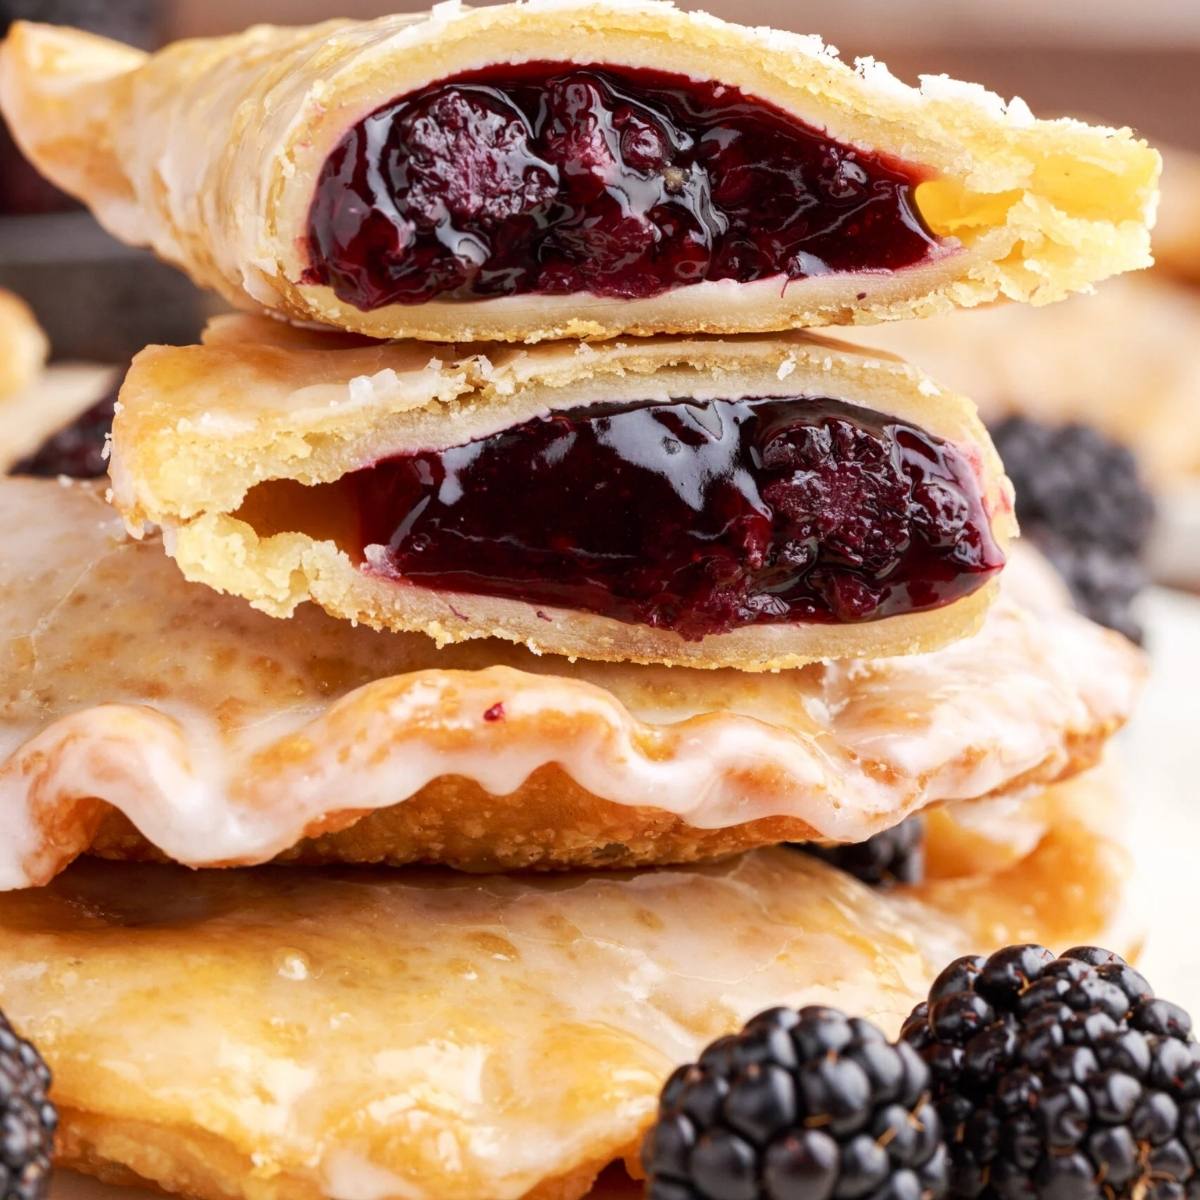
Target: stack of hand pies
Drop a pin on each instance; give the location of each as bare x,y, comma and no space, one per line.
566,655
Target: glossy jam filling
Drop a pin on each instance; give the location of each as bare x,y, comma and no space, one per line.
551,178
699,517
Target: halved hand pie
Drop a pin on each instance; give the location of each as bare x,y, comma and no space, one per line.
295,1034
757,502
572,169
150,717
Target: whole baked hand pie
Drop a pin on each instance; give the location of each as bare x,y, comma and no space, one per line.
756,502
149,717
295,1034
550,169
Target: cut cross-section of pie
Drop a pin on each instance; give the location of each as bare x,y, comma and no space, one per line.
577,168
150,717
757,502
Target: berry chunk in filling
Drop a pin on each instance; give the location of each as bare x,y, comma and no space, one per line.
694,516
551,178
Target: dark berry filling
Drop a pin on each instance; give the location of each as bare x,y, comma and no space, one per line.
550,178
694,516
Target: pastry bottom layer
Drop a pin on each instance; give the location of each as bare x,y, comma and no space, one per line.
374,1035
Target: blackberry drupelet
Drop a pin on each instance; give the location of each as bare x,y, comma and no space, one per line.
1082,501
896,855
1061,1078
76,450
27,1119
801,1105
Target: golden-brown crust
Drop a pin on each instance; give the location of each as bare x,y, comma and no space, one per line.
549,823
209,152
313,1000
211,439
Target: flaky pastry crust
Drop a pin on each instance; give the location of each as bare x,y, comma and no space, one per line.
211,440
209,152
352,1028
23,350
226,737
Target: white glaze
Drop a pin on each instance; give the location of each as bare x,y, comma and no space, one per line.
205,724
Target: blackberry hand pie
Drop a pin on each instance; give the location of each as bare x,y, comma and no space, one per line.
758,502
304,1033
153,718
549,169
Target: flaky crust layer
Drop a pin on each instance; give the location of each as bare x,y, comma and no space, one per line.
202,429
209,152
379,1020
226,737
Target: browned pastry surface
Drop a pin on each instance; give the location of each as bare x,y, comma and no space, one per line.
277,1034
227,736
209,151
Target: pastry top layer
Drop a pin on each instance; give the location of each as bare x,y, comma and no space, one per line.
226,736
201,427
209,152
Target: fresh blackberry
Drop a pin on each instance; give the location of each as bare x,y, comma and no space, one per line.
801,1105
1061,1078
77,450
1081,499
27,1119
896,855
1104,586
1077,482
